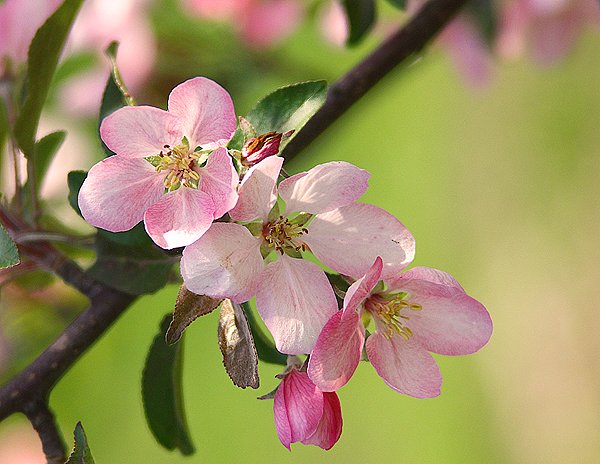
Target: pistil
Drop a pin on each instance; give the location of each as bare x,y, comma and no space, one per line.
387,309
282,235
180,163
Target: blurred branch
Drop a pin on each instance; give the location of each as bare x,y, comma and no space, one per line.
406,42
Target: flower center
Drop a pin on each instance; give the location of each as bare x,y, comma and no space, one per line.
179,163
387,309
282,234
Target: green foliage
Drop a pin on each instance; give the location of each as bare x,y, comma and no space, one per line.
264,346
44,53
486,19
287,108
81,451
135,270
9,256
75,181
401,4
361,16
112,100
162,393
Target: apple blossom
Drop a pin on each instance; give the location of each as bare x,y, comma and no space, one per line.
293,295
305,414
157,173
422,310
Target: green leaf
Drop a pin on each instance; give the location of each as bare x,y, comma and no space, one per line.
44,53
486,19
130,269
75,181
287,108
265,348
81,451
45,150
188,308
112,100
162,393
9,256
361,16
401,4
237,346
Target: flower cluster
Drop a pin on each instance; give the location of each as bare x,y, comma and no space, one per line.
172,169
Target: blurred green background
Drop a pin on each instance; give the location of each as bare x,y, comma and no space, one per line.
501,188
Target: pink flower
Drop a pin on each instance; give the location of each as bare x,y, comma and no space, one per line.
305,414
549,28
156,174
260,23
293,296
421,310
19,21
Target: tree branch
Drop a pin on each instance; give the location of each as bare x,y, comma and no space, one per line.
44,424
409,40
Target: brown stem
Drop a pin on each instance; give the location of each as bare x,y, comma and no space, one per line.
409,40
44,424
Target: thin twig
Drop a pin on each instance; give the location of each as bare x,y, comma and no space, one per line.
408,41
43,422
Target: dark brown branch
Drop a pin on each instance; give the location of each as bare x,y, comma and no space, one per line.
408,41
44,424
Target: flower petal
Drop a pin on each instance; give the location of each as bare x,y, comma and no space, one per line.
225,263
117,192
404,365
179,218
420,277
295,300
219,180
366,230
298,408
140,131
257,190
361,289
324,188
330,426
206,112
337,352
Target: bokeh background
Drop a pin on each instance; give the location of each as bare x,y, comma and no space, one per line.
500,185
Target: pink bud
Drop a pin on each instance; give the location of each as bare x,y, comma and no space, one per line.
258,148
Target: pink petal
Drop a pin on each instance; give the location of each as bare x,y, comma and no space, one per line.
349,239
298,408
140,131
179,218
330,426
324,188
361,289
404,365
441,283
295,300
219,181
257,191
117,192
337,352
206,112
225,263
265,23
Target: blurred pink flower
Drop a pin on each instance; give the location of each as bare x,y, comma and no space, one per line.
549,28
19,21
293,295
422,310
333,23
260,23
98,24
19,444
305,414
155,174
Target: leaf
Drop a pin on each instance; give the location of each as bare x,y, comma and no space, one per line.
133,270
486,19
75,181
162,393
81,452
45,150
44,53
361,16
188,308
401,4
285,109
112,100
264,346
237,346
9,256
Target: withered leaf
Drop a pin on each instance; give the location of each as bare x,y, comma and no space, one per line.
237,346
188,307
